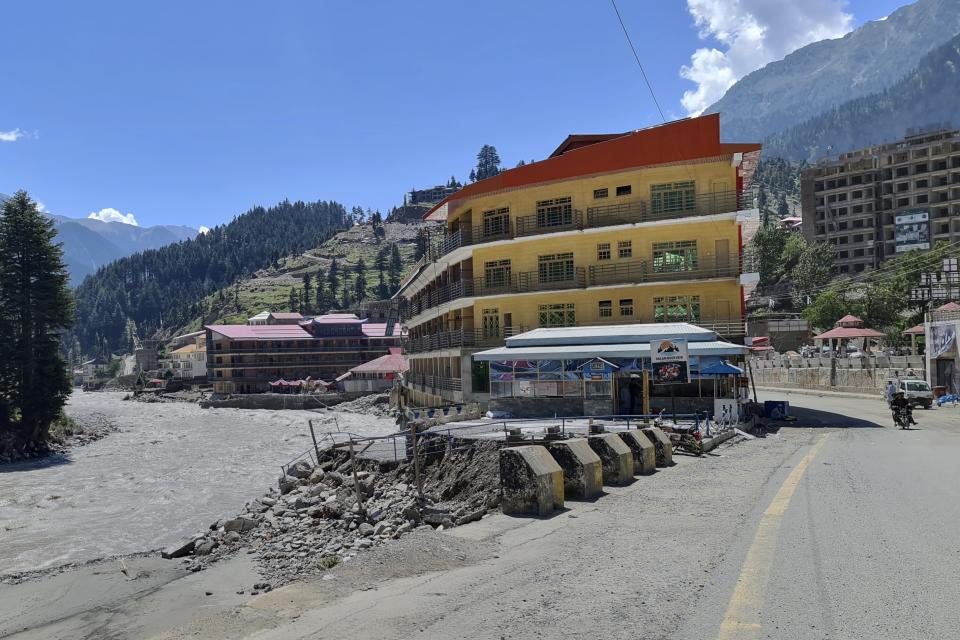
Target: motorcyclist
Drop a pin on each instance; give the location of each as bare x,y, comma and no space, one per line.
899,403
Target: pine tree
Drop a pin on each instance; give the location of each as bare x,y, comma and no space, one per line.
333,280
783,210
307,298
360,283
35,307
294,300
321,303
396,267
488,162
473,175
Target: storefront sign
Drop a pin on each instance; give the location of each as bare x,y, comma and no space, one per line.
671,361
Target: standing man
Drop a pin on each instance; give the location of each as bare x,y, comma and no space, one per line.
891,391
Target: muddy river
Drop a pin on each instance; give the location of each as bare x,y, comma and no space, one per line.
171,470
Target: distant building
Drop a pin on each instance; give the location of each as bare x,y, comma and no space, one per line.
273,318
877,202
432,195
94,370
378,374
247,358
189,362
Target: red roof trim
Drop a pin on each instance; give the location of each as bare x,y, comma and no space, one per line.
678,141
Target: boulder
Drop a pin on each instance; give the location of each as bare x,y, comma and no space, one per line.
287,484
365,529
301,469
240,524
316,476
205,547
179,550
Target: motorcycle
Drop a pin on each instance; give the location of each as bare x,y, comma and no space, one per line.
903,417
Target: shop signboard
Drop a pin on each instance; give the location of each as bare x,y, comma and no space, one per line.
671,361
912,230
943,336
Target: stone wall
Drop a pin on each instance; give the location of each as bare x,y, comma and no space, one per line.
861,377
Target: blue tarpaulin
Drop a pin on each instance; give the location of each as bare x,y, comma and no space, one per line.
721,369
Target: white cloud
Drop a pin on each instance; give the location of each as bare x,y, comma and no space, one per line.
42,208
112,215
204,230
752,33
12,136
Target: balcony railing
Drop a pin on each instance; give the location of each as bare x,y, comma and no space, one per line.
639,271
462,338
634,272
435,382
636,211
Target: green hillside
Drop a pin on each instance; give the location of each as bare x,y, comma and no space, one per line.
269,289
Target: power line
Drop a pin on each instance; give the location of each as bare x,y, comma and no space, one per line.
639,64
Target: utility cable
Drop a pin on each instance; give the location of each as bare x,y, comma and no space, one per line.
637,58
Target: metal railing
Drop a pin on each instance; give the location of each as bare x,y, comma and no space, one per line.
632,212
638,271
462,338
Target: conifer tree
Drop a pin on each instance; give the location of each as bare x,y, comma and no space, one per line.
35,308
307,299
360,283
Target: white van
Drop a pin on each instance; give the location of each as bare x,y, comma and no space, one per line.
917,391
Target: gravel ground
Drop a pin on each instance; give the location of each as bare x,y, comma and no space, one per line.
170,470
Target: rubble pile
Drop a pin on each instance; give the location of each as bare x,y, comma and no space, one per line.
314,521
375,405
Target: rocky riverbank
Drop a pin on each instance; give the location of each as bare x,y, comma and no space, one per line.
314,521
67,434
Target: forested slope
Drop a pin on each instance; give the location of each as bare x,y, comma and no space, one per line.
161,288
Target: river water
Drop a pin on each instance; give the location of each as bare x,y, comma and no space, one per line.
171,470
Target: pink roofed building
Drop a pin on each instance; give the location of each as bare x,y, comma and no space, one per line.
378,374
246,358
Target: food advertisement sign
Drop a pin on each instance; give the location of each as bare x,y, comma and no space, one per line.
670,360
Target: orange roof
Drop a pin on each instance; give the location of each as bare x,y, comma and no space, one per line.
677,141
918,330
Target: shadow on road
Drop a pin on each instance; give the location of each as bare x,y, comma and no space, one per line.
52,460
817,419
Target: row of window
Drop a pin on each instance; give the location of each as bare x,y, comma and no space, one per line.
665,309
668,257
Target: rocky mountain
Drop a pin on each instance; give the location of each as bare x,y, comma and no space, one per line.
926,96
89,244
820,76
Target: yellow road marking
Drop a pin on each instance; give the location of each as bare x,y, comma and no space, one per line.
742,620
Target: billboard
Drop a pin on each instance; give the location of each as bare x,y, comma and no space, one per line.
943,336
912,230
671,361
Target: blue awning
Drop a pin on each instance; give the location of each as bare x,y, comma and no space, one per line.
723,368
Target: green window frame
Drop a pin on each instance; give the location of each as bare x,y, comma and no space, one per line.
555,267
673,196
557,315
676,309
674,257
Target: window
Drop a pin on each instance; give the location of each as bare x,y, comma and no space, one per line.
670,257
557,315
496,222
557,212
673,196
624,190
625,249
603,251
496,273
606,308
626,306
490,319
599,193
555,267
676,309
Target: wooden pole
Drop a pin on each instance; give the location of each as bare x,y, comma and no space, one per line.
753,382
646,397
356,480
313,436
416,462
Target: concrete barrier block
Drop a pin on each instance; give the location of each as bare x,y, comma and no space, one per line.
531,481
644,451
615,457
662,444
582,469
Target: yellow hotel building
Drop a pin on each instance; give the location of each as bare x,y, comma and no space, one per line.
639,227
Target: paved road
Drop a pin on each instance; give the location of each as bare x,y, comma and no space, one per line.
864,546
821,531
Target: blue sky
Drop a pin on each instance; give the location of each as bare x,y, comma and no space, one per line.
191,112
